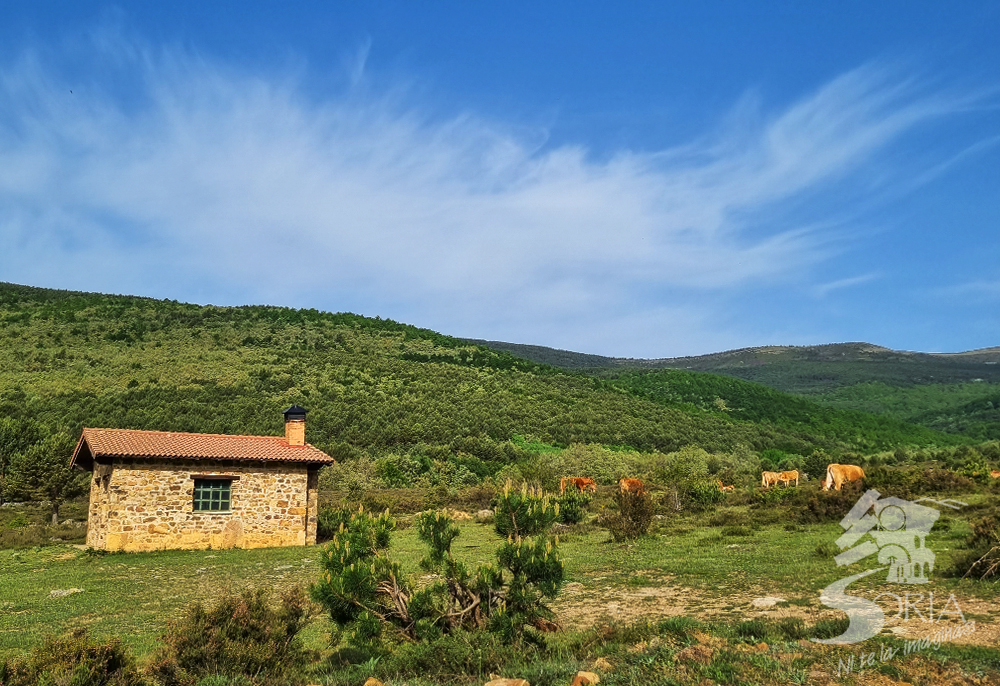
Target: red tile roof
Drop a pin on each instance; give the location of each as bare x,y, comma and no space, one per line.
132,443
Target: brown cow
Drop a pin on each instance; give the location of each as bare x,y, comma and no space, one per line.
786,477
995,474
632,486
580,482
768,479
726,489
839,474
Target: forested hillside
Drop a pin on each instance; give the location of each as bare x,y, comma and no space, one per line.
69,360
951,392
759,404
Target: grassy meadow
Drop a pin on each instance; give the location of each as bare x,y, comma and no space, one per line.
707,566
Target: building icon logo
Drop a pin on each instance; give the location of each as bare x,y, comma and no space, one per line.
893,530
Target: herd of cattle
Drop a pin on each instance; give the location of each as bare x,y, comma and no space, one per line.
836,476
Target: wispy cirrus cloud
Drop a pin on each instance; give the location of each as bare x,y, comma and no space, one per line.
823,289
206,183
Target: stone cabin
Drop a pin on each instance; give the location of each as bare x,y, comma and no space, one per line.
156,489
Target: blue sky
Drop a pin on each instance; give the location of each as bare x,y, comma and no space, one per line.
640,179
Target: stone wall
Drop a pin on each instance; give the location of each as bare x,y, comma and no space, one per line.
140,505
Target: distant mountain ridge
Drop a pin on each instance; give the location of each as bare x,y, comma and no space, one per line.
896,367
952,392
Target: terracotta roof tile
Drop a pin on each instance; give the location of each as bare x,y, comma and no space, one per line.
130,442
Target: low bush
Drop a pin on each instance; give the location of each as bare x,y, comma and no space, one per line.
982,557
776,495
632,520
703,494
243,635
830,628
368,597
944,481
74,660
329,521
729,518
573,506
827,506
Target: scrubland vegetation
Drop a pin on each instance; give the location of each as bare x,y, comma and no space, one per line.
648,588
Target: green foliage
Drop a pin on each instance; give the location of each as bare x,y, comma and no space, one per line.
704,493
16,436
757,403
241,635
982,559
523,512
633,517
416,407
42,472
330,520
826,506
74,660
536,574
356,577
365,594
774,496
573,506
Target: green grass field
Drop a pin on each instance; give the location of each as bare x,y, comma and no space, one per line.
710,575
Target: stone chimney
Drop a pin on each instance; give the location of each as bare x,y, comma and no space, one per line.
295,425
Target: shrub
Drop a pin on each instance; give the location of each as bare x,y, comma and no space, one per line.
704,494
634,515
464,652
357,576
329,521
982,561
827,506
901,483
75,660
944,481
242,635
573,506
524,512
775,495
830,628
365,592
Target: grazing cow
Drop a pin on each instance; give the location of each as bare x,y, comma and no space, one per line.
768,479
995,474
581,483
787,477
632,486
839,474
726,489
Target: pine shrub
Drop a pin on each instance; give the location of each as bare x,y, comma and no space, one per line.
573,506
367,596
523,512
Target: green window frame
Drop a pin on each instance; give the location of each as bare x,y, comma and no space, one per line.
212,495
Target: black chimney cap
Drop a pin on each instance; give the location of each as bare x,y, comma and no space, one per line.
295,412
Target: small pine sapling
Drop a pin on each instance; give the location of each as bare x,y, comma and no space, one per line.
361,588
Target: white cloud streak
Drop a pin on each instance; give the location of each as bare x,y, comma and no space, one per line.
209,184
824,289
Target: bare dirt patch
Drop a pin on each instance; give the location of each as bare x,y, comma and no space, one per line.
583,605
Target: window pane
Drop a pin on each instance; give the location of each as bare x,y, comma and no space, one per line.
212,495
